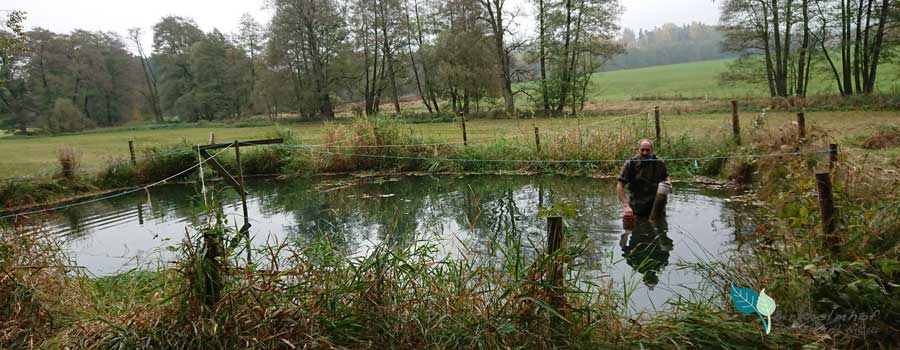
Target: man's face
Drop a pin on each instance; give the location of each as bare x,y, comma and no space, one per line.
645,150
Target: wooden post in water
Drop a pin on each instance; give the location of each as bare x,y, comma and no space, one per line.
826,205
537,139
554,244
465,137
801,126
212,137
735,122
245,230
656,114
131,151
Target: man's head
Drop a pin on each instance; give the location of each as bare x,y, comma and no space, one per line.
645,149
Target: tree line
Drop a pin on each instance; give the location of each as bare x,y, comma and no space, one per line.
782,41
381,56
669,44
452,56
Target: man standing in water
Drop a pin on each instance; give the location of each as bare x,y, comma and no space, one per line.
642,174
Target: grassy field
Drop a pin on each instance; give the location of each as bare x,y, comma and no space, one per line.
29,155
701,80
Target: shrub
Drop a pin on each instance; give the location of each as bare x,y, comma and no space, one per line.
65,117
69,160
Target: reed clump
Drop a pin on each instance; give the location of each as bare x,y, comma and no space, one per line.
69,161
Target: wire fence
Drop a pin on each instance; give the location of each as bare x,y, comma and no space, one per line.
119,194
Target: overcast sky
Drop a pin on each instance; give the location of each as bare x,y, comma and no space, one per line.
119,15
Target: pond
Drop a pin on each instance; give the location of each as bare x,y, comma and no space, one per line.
462,214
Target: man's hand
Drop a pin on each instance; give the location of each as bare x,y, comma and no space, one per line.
628,219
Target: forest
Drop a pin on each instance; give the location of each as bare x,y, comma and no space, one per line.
384,56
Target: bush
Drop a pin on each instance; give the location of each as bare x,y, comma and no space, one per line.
117,174
69,159
65,117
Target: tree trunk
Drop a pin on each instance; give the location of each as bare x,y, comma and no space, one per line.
575,48
412,61
867,50
804,51
876,47
856,46
543,56
767,40
779,64
845,47
494,10
564,74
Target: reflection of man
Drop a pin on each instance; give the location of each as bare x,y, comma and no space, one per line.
647,250
642,174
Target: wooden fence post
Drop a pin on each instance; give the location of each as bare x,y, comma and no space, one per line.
131,151
801,126
465,137
245,230
537,139
826,204
656,114
735,122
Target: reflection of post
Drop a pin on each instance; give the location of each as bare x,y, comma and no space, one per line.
540,195
554,244
245,230
140,211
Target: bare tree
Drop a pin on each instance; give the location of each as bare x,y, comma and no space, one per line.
152,94
494,9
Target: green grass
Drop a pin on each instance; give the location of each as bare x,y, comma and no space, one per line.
701,80
29,155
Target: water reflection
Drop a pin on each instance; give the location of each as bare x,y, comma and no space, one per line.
466,215
646,249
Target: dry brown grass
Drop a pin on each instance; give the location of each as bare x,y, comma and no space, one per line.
37,293
885,137
69,161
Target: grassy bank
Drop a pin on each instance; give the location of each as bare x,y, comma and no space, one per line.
381,144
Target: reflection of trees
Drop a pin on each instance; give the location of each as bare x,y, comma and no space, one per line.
489,210
647,249
168,203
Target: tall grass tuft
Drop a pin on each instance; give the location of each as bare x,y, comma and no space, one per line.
69,161
37,295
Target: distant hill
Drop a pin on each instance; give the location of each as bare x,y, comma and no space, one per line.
669,44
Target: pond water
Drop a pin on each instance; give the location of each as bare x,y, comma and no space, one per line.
456,211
